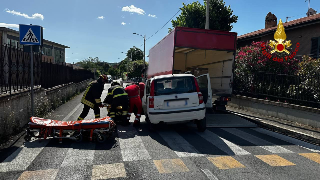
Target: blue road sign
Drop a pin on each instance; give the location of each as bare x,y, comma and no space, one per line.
30,34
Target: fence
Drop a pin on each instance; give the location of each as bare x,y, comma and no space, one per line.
295,89
15,71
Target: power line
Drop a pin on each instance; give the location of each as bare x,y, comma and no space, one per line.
163,25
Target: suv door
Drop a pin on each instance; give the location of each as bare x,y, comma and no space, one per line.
205,88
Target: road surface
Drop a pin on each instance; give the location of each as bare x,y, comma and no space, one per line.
172,152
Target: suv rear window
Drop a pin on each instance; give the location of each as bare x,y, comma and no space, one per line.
174,85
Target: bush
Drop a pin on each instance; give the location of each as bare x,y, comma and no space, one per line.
254,72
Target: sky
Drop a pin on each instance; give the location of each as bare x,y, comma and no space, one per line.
104,28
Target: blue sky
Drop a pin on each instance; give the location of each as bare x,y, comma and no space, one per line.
103,28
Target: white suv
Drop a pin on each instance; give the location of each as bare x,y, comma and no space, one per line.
174,98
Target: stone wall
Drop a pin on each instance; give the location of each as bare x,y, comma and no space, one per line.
291,112
15,110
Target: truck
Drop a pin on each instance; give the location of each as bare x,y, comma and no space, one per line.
207,54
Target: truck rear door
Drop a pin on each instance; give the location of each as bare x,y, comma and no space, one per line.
205,88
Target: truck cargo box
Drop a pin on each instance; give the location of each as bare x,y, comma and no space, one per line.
199,51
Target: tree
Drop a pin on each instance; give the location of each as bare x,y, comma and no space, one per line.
137,67
113,71
193,15
94,64
137,54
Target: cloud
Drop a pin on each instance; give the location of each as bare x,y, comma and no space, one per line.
133,9
9,25
123,23
154,16
100,17
122,16
34,16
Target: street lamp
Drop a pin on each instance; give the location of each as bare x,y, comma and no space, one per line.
144,53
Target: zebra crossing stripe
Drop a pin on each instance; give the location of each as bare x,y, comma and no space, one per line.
288,139
223,144
258,141
179,145
79,154
209,174
131,145
23,157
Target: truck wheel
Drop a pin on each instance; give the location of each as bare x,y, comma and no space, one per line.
202,125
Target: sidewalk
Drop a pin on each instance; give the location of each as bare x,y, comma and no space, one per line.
71,110
289,128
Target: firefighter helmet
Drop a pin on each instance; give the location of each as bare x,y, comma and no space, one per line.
115,83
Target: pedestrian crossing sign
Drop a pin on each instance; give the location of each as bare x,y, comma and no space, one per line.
30,34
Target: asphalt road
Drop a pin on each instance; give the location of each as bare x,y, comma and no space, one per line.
172,152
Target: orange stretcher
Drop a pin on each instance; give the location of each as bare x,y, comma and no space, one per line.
99,129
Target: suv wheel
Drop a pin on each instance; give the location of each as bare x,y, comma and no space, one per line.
202,125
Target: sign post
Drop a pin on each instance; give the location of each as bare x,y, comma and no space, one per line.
31,35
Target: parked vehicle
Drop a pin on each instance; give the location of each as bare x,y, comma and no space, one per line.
207,54
174,98
189,70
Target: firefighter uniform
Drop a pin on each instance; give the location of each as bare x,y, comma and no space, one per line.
117,96
91,99
135,101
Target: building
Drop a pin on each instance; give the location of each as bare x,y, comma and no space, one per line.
51,51
305,30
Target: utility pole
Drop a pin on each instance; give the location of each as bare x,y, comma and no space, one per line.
207,14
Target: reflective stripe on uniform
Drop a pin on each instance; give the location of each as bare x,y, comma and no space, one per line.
124,112
98,100
88,103
80,118
123,94
112,112
112,115
97,115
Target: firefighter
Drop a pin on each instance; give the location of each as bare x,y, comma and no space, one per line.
91,97
117,96
135,101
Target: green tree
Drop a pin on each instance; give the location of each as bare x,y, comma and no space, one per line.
136,68
94,64
137,54
113,71
193,15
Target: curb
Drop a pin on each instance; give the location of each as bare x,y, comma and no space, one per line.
286,132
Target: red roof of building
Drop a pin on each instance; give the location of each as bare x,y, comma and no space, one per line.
287,24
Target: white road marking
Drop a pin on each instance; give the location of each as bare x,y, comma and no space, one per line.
209,174
258,141
223,144
71,113
179,145
23,157
291,140
76,155
131,145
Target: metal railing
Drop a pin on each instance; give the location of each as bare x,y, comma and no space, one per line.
294,89
15,71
